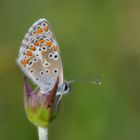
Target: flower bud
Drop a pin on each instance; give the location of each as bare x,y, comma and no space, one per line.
41,109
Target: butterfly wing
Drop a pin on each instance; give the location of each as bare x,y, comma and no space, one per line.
39,56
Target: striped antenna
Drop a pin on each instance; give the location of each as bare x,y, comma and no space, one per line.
96,81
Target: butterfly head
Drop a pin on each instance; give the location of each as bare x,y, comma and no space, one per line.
66,87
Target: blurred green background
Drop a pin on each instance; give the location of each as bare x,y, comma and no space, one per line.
96,37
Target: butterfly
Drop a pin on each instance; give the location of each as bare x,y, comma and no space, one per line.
39,58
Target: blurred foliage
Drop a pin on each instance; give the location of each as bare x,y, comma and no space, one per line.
96,37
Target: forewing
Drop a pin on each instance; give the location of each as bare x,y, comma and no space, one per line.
39,56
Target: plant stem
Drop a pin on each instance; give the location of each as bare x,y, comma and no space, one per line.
43,133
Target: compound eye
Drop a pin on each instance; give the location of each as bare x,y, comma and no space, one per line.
66,87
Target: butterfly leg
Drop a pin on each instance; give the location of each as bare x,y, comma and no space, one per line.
27,88
59,98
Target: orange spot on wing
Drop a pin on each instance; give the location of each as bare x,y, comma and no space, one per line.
46,28
24,62
42,40
40,30
36,43
49,43
54,48
33,48
29,53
